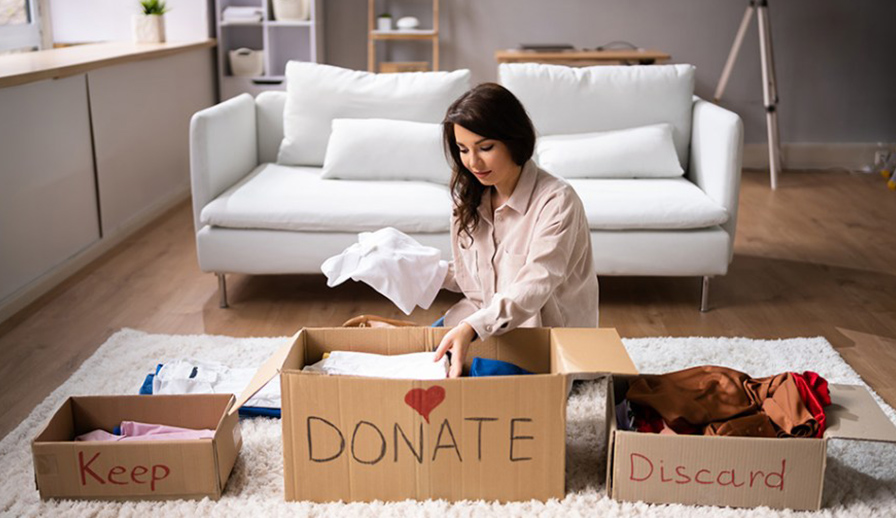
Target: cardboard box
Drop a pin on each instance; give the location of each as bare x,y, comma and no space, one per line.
735,471
500,438
145,470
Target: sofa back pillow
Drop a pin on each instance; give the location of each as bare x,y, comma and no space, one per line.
564,100
386,149
645,152
317,94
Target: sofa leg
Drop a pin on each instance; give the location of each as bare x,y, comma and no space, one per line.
222,290
704,295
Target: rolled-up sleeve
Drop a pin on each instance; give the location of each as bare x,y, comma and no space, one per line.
555,245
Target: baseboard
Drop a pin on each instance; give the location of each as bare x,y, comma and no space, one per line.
56,276
852,156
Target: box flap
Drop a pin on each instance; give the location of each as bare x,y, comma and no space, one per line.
853,414
266,373
589,350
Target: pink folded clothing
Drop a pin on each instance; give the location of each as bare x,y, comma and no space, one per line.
134,431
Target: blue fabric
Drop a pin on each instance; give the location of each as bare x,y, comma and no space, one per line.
486,367
146,388
439,323
257,411
245,411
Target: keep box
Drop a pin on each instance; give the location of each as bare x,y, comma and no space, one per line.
137,470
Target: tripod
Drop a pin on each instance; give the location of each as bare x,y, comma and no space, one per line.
769,85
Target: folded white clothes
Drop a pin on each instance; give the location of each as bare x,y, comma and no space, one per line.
235,13
418,366
394,264
190,376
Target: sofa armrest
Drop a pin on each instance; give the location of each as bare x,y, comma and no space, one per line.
223,149
717,142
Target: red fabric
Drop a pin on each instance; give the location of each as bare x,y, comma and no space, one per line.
815,394
647,420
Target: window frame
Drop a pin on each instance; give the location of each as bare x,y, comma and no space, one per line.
23,36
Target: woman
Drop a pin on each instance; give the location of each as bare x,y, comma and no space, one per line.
519,236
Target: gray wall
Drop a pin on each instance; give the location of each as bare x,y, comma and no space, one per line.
834,58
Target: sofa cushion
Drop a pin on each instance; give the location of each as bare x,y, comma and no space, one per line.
280,197
386,149
317,94
648,203
644,152
563,100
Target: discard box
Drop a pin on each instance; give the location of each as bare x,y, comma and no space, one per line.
139,470
501,438
735,471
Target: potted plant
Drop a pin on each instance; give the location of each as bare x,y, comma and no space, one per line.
384,22
149,25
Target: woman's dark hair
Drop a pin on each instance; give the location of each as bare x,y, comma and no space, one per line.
489,110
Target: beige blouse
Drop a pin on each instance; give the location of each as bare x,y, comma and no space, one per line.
528,266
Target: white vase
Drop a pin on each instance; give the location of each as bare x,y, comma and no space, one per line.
384,24
149,28
292,10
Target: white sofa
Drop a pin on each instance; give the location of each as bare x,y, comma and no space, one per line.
254,216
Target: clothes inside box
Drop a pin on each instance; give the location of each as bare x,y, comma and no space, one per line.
718,401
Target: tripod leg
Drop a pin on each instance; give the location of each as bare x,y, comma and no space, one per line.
769,93
735,50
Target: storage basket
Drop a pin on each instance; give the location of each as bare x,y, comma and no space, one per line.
246,62
291,10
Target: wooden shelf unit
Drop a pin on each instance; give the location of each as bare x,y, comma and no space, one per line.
374,35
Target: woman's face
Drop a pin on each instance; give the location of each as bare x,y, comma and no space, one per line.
488,159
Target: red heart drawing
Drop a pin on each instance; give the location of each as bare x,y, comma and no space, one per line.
425,401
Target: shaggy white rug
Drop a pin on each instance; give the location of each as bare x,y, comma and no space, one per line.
860,478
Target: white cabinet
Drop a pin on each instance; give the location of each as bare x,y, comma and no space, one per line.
89,158
280,41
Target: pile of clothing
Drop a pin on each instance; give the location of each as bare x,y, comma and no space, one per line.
191,376
419,366
135,431
719,401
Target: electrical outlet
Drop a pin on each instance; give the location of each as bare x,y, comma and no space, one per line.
881,156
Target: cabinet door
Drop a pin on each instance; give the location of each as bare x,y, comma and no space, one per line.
48,207
141,127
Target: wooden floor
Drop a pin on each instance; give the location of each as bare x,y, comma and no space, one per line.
816,255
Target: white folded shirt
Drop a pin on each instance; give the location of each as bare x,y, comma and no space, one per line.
394,264
212,378
418,366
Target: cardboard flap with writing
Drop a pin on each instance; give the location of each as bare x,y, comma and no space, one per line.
589,350
853,414
270,369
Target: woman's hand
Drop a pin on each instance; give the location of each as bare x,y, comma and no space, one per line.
457,340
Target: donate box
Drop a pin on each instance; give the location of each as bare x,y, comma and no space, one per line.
735,471
493,438
137,470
